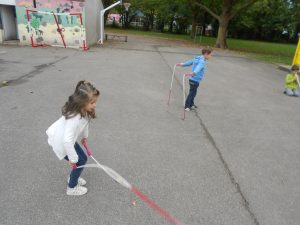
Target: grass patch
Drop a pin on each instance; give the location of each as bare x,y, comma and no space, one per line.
263,51
271,58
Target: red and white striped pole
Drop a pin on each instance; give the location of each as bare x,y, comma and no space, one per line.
133,189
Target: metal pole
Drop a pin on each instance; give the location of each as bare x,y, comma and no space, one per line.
101,27
102,12
183,90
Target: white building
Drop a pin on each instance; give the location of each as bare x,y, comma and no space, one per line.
8,27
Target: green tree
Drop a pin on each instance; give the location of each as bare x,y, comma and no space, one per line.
148,8
272,20
107,3
183,15
224,12
197,16
163,13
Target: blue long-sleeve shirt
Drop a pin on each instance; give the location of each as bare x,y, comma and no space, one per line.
198,67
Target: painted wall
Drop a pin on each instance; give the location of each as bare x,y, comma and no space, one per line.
92,12
64,5
44,26
73,6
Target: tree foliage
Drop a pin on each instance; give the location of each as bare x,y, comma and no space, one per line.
224,11
273,20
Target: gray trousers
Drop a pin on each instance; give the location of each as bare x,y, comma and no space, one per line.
292,92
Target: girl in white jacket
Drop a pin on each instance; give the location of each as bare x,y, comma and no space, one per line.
71,129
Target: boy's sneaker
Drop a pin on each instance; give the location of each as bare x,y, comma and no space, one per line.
194,107
187,109
81,181
77,190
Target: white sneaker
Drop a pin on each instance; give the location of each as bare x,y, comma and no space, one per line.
81,181
187,109
77,190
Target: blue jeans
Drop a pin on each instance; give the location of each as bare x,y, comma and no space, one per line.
192,94
292,92
75,173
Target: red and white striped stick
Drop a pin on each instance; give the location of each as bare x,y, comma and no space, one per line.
118,178
183,90
173,74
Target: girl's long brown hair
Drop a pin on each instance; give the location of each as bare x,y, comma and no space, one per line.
76,103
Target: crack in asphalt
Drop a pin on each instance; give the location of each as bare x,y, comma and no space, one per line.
230,174
22,79
215,146
2,61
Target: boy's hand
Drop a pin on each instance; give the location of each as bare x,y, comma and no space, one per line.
189,74
179,64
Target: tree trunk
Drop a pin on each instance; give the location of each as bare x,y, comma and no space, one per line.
105,16
127,24
227,14
171,26
194,23
151,21
152,14
222,33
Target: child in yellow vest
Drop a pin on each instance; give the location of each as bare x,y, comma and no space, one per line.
292,82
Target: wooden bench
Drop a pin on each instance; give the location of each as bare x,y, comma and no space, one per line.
113,36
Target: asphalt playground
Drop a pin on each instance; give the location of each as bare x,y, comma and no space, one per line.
233,161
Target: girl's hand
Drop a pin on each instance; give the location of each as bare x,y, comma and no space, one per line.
73,165
178,64
83,141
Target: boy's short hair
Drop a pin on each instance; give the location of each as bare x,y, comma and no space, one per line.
206,50
295,67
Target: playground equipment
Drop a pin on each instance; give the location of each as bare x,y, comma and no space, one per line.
296,60
102,12
67,29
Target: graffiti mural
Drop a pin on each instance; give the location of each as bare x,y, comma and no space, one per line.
50,28
74,6
64,6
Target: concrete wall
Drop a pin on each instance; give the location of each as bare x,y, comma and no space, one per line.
8,22
1,36
7,2
92,13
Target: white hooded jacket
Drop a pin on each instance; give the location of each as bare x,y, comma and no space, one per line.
63,134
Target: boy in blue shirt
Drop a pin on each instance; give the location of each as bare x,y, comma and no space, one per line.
198,67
